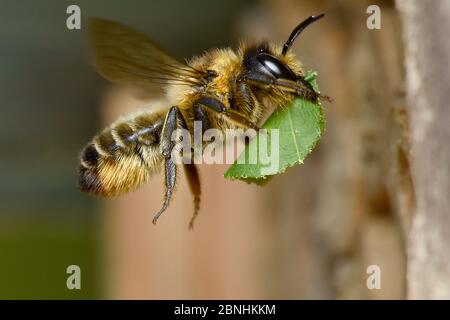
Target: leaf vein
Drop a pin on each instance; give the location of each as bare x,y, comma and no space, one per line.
293,135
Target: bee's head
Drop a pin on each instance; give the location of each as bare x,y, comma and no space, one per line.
264,66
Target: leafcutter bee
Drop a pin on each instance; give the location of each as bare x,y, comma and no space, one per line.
221,88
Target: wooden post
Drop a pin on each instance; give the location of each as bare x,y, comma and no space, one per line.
426,26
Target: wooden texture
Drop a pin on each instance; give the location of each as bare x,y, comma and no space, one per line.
427,58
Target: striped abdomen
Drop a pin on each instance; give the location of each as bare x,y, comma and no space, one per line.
122,157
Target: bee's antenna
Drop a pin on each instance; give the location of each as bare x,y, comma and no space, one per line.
298,29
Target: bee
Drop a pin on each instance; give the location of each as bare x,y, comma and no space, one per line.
221,88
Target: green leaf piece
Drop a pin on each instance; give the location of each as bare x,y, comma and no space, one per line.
300,126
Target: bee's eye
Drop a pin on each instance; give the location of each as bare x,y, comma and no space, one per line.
275,66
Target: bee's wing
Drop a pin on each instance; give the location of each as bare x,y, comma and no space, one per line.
125,56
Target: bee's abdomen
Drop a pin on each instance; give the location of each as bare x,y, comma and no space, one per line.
122,156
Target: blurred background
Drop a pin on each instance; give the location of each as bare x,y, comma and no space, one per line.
310,233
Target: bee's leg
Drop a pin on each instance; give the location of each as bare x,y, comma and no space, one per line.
201,115
193,180
174,119
170,177
191,170
217,106
301,88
